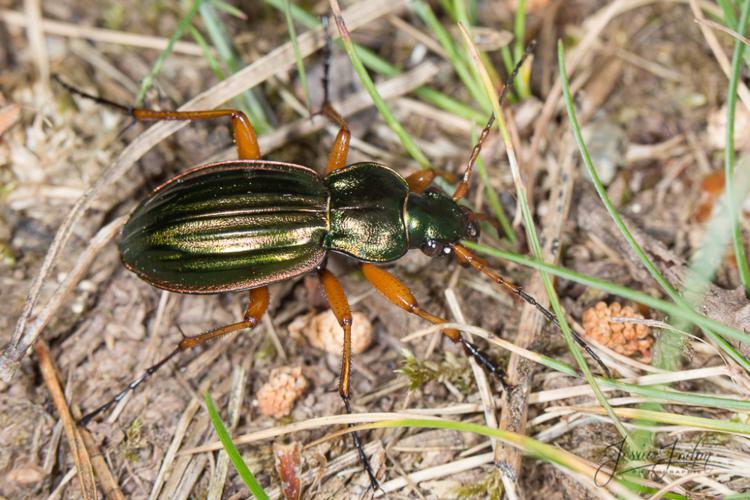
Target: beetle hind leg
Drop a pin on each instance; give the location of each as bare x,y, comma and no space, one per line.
255,310
340,307
243,131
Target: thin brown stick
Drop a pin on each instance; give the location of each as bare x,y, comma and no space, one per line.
107,480
72,434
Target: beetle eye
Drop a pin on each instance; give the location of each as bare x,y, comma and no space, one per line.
472,228
431,248
432,191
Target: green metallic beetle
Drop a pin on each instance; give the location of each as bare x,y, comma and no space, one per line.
245,224
239,225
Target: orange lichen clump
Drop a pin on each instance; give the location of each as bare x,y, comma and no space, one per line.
277,396
623,338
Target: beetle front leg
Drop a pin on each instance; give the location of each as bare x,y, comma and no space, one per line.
257,307
340,307
421,179
340,149
399,294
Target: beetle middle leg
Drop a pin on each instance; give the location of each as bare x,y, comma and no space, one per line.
399,294
340,307
257,307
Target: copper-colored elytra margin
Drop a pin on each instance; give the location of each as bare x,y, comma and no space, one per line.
238,164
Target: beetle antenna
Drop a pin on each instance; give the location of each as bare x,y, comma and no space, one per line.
463,186
91,97
467,257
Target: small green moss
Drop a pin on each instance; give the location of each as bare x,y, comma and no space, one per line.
265,350
134,442
451,369
7,255
490,487
114,16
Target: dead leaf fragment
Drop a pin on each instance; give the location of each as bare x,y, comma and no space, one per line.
287,459
8,117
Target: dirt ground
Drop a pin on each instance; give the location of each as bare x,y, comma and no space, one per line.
650,96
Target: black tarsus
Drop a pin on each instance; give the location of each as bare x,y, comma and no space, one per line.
130,387
374,483
97,99
486,363
553,319
327,53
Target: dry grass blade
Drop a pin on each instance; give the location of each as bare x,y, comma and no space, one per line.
520,370
483,384
278,60
37,42
71,30
714,25
313,423
75,442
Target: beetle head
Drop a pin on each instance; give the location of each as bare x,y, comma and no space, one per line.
435,222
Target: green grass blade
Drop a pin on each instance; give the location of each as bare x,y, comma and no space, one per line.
455,56
621,291
730,17
523,82
229,9
375,63
369,85
220,39
213,63
534,240
739,246
234,455
148,80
